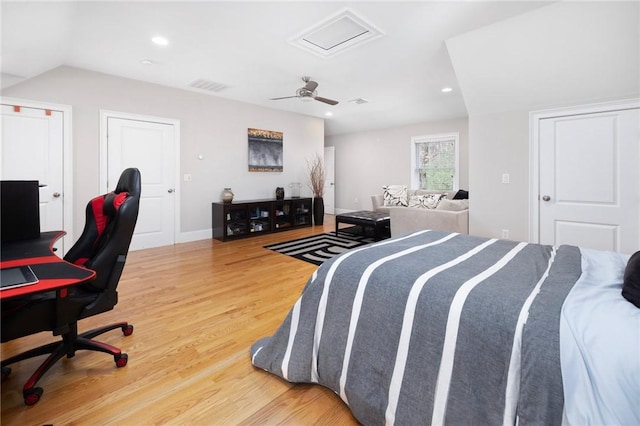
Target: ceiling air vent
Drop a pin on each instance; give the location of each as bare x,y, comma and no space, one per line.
336,34
210,86
359,101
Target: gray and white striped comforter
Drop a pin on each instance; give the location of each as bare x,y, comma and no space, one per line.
432,328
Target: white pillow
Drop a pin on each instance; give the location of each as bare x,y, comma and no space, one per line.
395,195
453,205
445,194
428,201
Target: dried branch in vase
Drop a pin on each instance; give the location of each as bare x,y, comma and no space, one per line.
316,175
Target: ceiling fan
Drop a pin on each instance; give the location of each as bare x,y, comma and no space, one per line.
308,92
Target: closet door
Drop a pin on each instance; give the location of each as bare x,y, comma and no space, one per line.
589,193
149,146
32,149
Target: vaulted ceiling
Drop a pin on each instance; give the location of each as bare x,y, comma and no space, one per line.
252,52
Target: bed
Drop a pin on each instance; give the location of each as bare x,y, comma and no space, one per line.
443,328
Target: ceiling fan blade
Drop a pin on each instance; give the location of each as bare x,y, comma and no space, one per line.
285,97
311,85
326,101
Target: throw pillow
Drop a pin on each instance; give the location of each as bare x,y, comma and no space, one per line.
429,201
445,194
395,195
461,195
631,284
453,205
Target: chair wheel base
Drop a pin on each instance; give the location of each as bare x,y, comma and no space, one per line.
32,396
70,343
121,360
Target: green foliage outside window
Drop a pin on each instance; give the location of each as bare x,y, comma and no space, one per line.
436,179
436,164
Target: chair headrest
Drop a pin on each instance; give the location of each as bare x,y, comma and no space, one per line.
129,182
111,203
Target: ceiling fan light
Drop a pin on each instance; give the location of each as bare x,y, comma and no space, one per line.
308,93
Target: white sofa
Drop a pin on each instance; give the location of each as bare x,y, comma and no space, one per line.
449,215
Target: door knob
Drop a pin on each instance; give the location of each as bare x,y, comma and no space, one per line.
170,191
546,198
56,195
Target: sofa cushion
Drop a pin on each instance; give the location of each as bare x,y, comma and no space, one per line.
429,201
395,195
453,205
407,220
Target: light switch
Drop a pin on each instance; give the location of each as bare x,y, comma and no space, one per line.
187,177
505,178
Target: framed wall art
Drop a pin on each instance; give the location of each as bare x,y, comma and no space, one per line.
265,150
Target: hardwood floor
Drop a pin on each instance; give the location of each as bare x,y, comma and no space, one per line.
196,308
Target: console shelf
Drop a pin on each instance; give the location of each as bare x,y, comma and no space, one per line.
241,219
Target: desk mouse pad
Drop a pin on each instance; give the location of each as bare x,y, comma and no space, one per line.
17,277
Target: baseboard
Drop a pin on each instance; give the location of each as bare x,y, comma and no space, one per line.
187,237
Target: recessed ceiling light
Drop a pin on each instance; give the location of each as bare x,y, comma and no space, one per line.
447,89
159,40
328,113
146,61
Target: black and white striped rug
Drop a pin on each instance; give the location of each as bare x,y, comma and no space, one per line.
321,247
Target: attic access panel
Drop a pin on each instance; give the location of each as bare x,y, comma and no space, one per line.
336,34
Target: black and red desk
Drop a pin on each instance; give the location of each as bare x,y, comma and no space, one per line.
53,272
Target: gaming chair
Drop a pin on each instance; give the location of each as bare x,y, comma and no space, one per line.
102,247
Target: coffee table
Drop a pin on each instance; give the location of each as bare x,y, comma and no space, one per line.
367,219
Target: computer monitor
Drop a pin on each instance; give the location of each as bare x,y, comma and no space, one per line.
20,210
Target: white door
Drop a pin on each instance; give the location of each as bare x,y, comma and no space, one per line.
590,180
148,146
32,149
329,197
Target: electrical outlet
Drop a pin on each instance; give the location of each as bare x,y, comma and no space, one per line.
355,200
505,233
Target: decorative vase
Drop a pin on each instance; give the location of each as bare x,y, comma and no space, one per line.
279,193
318,210
227,195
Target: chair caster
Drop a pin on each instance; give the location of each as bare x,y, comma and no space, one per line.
5,373
32,396
127,330
121,360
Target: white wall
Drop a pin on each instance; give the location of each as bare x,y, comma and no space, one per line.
366,161
565,54
557,55
211,126
500,145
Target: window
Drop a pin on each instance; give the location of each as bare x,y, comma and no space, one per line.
434,160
